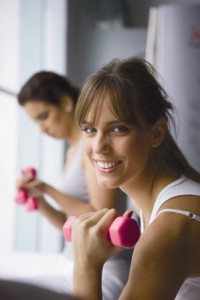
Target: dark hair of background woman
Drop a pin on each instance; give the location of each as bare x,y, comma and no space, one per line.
48,87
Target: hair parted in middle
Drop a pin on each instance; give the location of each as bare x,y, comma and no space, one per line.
133,93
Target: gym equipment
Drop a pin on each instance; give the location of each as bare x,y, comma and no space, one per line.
123,232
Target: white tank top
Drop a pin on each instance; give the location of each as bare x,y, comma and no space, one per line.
190,289
73,182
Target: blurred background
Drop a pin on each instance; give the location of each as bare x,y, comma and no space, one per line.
75,38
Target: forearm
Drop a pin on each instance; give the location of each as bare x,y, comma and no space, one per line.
70,205
91,250
87,284
54,216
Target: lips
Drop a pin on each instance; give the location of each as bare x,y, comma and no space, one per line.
50,134
106,165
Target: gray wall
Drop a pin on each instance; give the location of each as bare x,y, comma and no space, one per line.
96,38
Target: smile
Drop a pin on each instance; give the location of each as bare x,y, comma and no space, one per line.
107,165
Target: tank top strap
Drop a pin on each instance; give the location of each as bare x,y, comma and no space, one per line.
186,213
180,187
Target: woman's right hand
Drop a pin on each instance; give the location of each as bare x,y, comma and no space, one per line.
90,238
35,187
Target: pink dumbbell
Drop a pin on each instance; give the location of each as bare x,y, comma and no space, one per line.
31,204
123,232
22,196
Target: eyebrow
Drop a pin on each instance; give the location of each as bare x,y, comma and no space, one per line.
114,122
38,116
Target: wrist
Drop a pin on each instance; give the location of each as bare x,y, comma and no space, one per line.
48,189
83,267
41,202
44,187
87,281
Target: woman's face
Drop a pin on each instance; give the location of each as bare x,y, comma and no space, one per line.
118,153
51,119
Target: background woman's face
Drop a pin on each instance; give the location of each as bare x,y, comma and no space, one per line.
51,119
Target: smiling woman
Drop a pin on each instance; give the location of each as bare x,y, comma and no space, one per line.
125,116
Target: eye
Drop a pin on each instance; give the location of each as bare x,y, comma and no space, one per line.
120,129
43,116
88,129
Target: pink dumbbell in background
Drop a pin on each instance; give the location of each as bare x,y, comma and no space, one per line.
22,196
123,232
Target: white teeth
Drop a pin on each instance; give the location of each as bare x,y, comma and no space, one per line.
106,165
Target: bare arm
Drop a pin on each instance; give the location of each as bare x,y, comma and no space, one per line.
88,269
70,205
159,266
54,216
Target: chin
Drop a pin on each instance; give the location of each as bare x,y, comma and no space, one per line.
59,137
105,183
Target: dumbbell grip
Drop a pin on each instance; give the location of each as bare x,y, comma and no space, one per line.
30,173
123,232
22,196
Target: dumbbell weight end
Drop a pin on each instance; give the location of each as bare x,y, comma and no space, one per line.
124,231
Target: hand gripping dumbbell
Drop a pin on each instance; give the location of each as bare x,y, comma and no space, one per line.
123,232
22,196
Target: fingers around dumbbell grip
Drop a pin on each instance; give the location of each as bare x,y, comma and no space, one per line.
29,173
124,232
22,196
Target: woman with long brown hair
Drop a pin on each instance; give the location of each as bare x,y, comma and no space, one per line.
126,119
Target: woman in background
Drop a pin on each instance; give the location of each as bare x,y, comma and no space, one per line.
125,116
50,100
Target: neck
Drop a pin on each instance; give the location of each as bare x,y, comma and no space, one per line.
145,189
140,191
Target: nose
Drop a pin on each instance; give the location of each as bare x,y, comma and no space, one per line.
42,127
101,144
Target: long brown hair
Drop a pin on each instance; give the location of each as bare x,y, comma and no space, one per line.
137,98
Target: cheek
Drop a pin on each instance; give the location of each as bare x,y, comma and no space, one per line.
136,148
87,146
54,120
123,146
142,151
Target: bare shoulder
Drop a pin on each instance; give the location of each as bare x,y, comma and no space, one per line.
162,259
184,202
163,239
185,228
180,232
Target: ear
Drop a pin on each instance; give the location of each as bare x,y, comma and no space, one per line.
159,132
67,103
